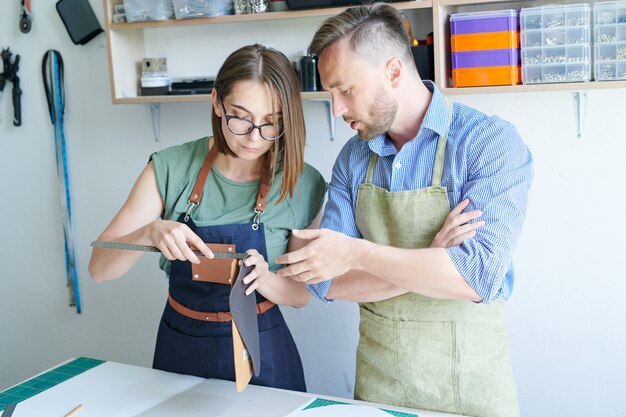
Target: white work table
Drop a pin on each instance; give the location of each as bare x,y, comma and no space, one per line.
111,389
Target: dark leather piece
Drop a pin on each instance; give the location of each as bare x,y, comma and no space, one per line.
243,309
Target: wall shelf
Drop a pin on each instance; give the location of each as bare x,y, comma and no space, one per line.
128,44
591,85
291,14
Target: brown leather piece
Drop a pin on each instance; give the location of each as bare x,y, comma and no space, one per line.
217,270
220,316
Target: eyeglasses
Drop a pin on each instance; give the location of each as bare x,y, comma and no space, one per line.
239,126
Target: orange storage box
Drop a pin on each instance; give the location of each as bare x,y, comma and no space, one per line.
485,76
485,40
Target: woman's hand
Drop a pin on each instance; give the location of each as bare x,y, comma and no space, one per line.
457,228
175,240
261,272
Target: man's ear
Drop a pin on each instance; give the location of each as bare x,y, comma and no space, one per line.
217,106
394,70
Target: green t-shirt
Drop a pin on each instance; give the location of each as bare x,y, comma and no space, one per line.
229,202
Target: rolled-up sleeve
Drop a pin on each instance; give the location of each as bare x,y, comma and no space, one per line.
499,175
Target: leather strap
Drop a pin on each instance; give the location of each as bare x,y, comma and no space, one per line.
198,187
264,187
196,194
220,316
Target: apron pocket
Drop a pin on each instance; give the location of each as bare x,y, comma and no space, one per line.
427,357
204,356
408,363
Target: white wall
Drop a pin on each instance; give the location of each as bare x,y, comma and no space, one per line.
566,317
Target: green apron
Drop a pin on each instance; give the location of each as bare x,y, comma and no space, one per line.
421,352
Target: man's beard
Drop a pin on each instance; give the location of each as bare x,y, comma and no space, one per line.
382,114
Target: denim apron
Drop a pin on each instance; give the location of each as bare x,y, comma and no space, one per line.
205,348
421,352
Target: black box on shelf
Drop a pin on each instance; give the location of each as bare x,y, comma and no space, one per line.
193,85
424,56
154,91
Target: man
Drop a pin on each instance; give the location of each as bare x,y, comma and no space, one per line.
432,329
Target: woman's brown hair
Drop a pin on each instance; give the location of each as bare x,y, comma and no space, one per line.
270,67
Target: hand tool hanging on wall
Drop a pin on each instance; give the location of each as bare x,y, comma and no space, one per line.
52,72
9,73
26,18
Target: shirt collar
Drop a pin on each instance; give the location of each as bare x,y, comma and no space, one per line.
436,120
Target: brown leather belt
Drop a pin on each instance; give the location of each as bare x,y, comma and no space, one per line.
220,316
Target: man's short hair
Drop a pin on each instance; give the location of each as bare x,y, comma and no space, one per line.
376,33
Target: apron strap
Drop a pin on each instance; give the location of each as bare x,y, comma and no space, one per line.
264,187
198,188
370,168
441,150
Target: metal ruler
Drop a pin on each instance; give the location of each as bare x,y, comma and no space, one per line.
146,248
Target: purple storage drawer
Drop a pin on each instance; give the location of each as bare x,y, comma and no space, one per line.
480,22
488,58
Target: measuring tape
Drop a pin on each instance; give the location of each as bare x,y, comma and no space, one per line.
146,248
52,72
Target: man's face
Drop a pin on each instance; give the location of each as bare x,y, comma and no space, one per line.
358,90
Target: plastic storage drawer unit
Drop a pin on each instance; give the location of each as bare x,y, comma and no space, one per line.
484,41
485,48
478,31
555,44
609,39
479,22
489,58
485,76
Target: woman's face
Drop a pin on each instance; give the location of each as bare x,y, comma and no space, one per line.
251,101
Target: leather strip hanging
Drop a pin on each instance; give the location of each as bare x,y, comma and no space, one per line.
52,73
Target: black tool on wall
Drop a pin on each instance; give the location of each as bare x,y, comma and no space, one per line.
26,19
9,73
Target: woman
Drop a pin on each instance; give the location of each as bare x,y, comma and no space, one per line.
247,188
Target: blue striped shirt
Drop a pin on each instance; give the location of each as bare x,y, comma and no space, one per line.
485,161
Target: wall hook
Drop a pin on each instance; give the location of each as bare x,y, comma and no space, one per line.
155,112
580,111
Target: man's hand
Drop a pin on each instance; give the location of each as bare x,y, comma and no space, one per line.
328,254
456,228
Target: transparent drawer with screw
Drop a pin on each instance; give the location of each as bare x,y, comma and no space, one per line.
556,37
580,54
184,9
546,74
610,33
610,52
550,17
610,70
143,10
609,13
